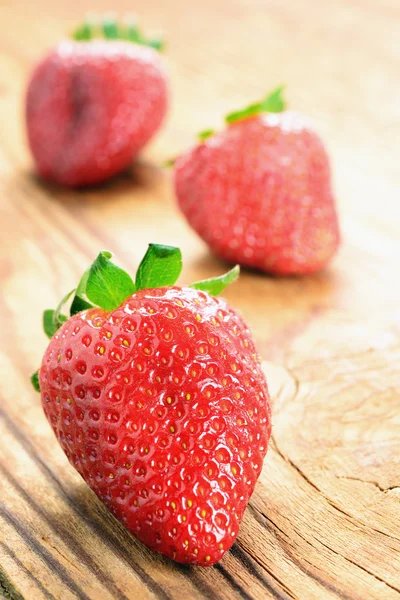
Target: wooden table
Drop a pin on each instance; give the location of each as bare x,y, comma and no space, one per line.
324,520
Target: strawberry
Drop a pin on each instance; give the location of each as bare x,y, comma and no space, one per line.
156,395
92,104
259,192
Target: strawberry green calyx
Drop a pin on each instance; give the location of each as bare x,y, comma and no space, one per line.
169,162
35,381
161,266
105,285
273,103
52,321
204,135
216,285
109,28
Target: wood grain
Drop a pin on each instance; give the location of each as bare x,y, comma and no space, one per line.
323,522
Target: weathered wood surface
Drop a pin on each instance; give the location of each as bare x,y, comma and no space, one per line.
324,520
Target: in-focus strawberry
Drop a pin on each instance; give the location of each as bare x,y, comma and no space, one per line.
92,104
156,395
259,192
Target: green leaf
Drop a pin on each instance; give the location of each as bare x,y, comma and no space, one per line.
132,32
204,135
83,33
49,324
80,301
35,381
110,28
274,102
86,30
157,43
161,266
107,285
216,285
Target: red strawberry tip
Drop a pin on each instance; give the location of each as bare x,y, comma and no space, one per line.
109,28
105,285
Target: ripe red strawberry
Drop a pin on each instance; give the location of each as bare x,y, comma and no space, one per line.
259,192
93,104
158,400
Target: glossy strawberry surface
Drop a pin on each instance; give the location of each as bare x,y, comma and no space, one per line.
91,107
162,407
259,193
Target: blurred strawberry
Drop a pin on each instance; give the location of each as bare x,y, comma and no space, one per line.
259,192
92,104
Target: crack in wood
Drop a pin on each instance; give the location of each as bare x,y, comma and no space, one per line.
74,565
295,467
361,567
330,502
347,515
366,481
295,380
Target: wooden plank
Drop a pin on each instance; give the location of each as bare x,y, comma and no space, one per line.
323,521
